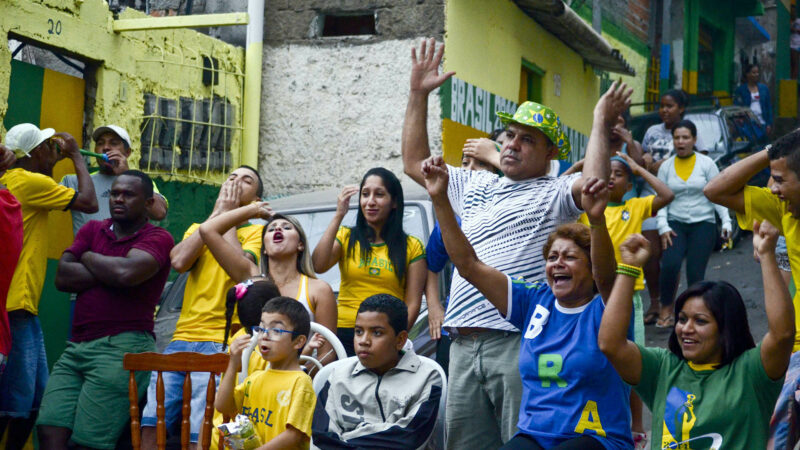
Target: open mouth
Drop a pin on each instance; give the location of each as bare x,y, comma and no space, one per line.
561,280
277,237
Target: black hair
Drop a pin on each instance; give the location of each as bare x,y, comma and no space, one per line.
787,146
496,133
298,317
747,68
260,190
396,311
392,232
728,309
147,182
688,124
258,293
679,96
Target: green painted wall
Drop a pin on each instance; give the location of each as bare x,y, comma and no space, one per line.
188,203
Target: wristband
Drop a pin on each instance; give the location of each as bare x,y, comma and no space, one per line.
625,269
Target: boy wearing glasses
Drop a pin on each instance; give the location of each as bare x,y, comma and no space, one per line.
280,399
386,398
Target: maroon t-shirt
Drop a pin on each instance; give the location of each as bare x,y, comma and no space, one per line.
10,248
107,310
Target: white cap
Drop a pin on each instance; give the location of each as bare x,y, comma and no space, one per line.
23,138
119,131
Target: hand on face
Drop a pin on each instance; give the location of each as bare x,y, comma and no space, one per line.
436,176
228,198
7,158
594,198
635,251
263,210
425,76
117,160
67,144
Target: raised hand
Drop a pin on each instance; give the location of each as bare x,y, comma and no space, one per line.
237,348
343,201
67,144
635,168
436,177
228,198
425,76
262,210
635,251
613,103
765,236
7,158
480,149
594,198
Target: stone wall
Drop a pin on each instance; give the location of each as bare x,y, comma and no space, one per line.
329,113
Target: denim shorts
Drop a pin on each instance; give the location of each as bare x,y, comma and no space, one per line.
25,376
173,390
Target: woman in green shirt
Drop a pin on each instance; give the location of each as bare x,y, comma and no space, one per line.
713,388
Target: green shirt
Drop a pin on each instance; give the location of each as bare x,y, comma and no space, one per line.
726,408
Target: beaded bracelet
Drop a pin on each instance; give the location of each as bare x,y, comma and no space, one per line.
632,271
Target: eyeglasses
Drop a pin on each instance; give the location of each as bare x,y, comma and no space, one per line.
273,334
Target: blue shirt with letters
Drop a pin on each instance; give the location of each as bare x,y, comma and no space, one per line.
569,388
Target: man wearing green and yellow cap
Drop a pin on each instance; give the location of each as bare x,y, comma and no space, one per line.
507,220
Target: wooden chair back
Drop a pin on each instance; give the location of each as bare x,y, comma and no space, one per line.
176,362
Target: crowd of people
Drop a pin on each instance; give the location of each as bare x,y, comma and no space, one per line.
541,335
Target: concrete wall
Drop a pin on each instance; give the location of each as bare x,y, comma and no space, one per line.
330,113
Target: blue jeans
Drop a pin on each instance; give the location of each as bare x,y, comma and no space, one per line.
173,390
25,376
694,242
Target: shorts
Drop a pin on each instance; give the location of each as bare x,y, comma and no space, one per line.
88,389
25,377
173,390
638,319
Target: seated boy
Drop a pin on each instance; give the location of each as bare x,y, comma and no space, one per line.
385,398
279,400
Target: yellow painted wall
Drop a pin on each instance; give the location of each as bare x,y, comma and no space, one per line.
639,64
486,43
123,75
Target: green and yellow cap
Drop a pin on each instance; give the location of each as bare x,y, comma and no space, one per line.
542,118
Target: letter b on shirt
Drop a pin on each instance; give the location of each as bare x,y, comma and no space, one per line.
538,321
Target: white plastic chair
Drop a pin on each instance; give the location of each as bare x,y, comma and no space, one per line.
323,375
329,336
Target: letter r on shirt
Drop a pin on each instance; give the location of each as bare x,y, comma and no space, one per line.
538,321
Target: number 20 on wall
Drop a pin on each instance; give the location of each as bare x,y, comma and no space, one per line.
54,27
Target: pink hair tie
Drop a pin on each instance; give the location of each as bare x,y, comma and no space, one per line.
241,288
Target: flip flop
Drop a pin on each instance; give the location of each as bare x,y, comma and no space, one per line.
665,322
651,318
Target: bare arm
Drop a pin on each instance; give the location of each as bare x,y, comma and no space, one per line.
594,199
224,401
415,285
484,150
664,194
86,200
158,211
325,313
612,338
727,188
72,275
328,249
776,348
434,303
290,438
575,168
492,283
425,78
597,162
186,252
130,270
230,256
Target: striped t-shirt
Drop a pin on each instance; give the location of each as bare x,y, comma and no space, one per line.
507,222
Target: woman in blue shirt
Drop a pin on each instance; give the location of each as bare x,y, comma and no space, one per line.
571,396
755,95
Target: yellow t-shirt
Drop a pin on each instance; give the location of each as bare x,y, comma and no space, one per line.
202,316
761,204
361,279
685,166
37,194
276,398
623,220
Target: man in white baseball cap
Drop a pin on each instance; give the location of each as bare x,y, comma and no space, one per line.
115,142
30,180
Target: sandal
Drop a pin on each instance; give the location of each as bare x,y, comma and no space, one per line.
651,317
666,322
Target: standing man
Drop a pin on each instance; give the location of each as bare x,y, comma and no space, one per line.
507,220
118,268
115,142
201,325
30,181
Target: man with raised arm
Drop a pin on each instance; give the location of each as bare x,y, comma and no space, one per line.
118,267
507,220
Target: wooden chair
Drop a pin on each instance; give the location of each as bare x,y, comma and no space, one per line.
175,362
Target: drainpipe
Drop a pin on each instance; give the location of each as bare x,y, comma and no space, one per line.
252,82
